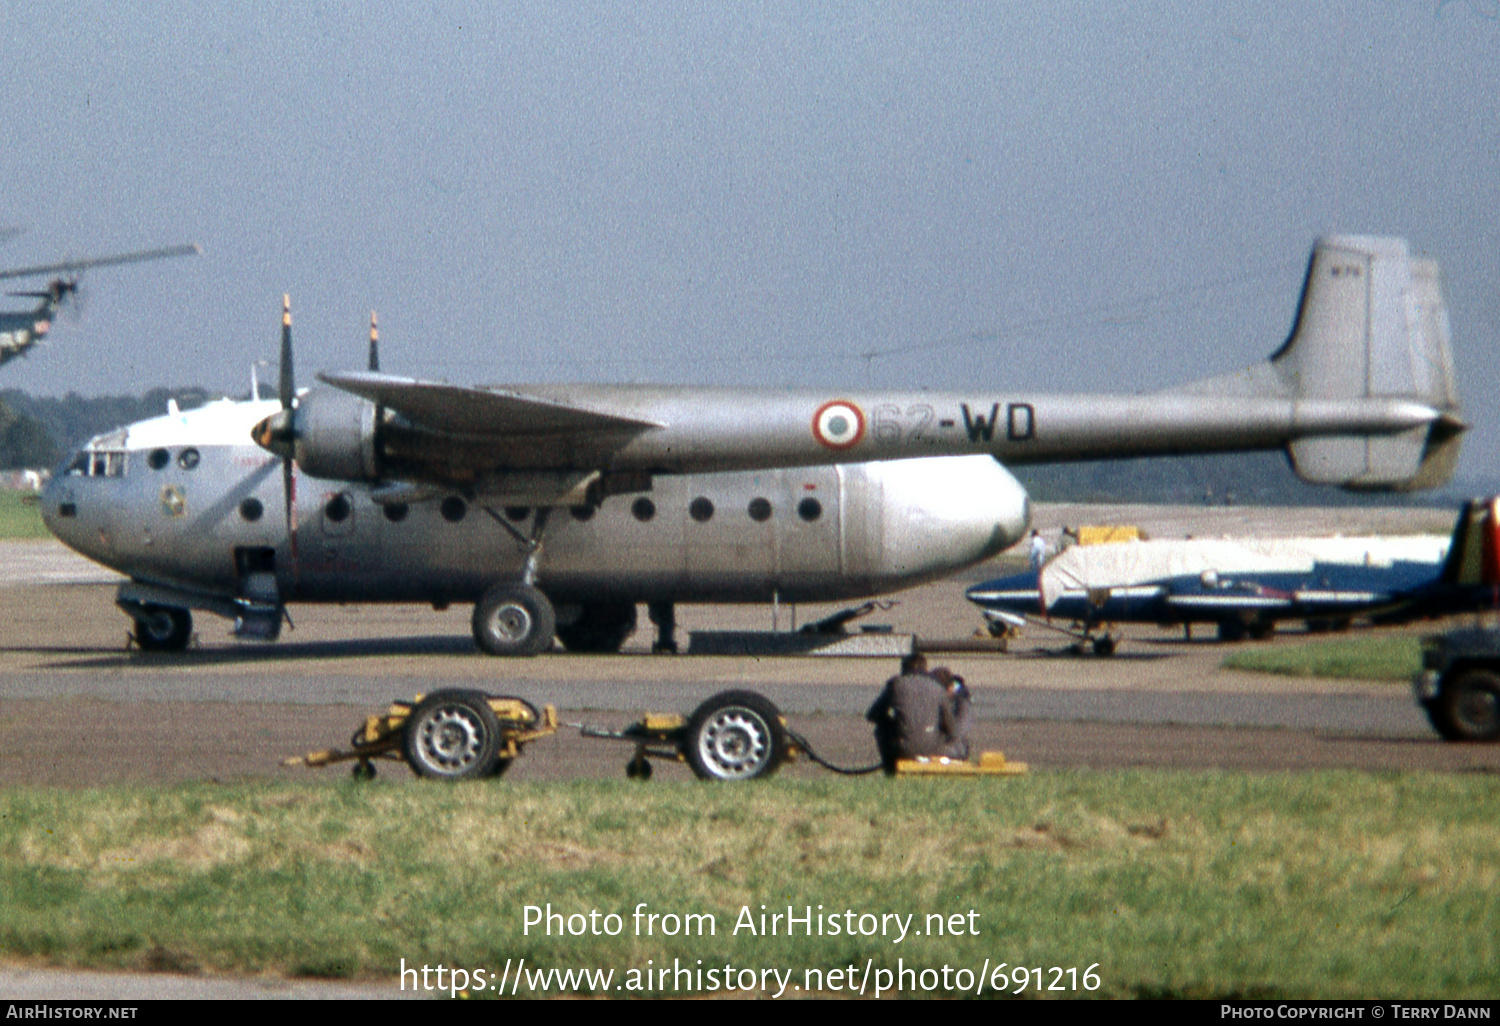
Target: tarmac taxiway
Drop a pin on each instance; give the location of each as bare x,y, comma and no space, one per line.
77,707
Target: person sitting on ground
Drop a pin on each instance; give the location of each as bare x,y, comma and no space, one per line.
917,715
959,706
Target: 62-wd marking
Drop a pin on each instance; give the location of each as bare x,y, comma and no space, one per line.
838,424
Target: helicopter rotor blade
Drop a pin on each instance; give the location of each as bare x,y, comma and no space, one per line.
74,266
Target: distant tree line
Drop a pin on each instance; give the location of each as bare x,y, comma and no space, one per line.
38,432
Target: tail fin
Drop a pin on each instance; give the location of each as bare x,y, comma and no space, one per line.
1474,553
1372,324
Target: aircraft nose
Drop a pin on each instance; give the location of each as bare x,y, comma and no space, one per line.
943,513
59,507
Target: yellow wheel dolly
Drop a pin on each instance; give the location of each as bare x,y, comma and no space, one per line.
735,735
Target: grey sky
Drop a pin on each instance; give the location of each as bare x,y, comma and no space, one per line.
1061,196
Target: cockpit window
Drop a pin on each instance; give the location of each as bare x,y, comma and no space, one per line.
98,463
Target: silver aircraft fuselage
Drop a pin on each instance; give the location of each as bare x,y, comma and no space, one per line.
525,499
182,501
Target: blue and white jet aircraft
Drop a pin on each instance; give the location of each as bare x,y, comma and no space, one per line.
1245,587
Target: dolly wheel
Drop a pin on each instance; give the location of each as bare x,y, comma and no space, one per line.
735,735
452,735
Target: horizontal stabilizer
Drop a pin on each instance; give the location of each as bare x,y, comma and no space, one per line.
477,411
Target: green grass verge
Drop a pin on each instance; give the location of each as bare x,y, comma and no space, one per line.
21,516
1394,657
1169,884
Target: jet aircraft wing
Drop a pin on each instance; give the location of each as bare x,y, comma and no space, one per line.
461,410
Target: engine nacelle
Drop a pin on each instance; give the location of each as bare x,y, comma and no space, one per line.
335,436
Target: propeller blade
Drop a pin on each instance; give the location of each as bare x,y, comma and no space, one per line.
288,384
281,429
74,266
277,433
289,493
374,343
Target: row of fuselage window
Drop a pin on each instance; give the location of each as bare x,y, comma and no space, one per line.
453,509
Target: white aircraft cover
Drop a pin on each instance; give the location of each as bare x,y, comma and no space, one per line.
1123,564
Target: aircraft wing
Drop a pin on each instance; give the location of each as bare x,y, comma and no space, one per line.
460,410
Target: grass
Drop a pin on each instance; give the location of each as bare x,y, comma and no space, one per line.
20,515
1169,884
1394,657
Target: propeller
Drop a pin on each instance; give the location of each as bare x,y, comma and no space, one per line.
277,434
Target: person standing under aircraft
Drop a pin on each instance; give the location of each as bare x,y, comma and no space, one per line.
1038,550
918,714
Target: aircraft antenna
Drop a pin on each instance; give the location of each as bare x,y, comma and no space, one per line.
374,343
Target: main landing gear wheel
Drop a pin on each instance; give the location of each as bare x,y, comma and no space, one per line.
735,735
1232,630
163,629
453,735
601,627
1467,707
514,620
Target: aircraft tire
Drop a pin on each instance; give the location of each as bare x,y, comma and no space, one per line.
601,627
735,735
163,629
1231,630
514,619
1467,707
452,734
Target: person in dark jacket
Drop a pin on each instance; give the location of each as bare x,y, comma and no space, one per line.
921,713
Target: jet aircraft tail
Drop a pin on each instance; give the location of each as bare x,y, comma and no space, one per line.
1474,554
1372,324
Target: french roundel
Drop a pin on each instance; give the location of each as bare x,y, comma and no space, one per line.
838,424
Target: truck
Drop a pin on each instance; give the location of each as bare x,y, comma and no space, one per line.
1459,686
